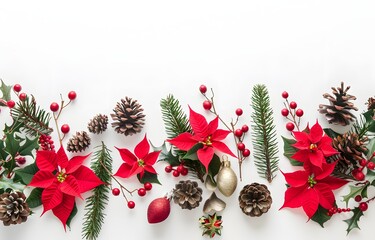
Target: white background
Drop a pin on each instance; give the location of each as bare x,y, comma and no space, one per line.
106,50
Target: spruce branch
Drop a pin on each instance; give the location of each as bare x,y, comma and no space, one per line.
95,204
264,133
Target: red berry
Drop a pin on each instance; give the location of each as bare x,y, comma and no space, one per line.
131,204
245,128
238,133
141,192
246,152
285,112
363,162
54,107
148,186
176,173
203,88
17,88
72,95
207,105
339,210
168,169
65,128
21,160
363,206
11,104
180,168
285,94
359,176
239,111
299,112
116,192
185,171
22,96
373,154
290,126
371,165
241,146
358,198
293,105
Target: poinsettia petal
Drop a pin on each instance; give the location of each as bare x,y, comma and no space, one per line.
301,155
317,158
311,202
70,186
316,133
127,156
142,148
150,169
86,179
124,170
42,179
325,145
303,141
75,163
183,141
326,196
151,158
63,210
205,156
220,134
334,183
297,178
222,148
62,158
51,197
46,160
198,124
325,171
212,126
293,197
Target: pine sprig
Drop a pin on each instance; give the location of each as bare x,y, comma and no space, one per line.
30,117
264,133
95,204
175,120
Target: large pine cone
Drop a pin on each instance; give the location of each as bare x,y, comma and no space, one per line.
79,142
338,110
255,199
13,208
187,194
98,124
128,117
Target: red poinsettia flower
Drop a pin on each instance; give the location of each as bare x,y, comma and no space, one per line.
63,180
139,162
313,146
204,133
309,190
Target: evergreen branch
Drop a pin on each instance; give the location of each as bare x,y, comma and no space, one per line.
264,133
175,120
361,127
95,204
32,118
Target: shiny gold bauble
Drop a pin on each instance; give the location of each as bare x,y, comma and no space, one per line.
226,178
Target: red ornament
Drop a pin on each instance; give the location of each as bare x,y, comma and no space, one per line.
131,204
246,152
22,96
65,128
299,112
141,192
17,88
54,107
72,95
293,105
285,112
11,104
148,186
158,210
207,105
245,128
290,126
203,88
239,111
363,206
116,192
285,94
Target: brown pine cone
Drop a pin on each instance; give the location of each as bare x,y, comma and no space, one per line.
79,142
371,103
255,199
98,124
13,208
187,194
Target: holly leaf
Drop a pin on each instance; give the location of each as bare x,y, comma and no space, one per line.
214,166
12,144
167,155
25,174
321,216
28,146
330,133
72,215
371,148
368,115
289,151
6,183
35,198
148,177
3,154
354,191
192,153
5,90
353,221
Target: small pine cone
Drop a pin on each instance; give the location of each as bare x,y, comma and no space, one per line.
13,208
98,124
338,112
187,194
128,117
371,103
78,142
255,199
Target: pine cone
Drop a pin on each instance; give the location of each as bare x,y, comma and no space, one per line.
187,194
255,199
13,208
78,142
338,110
129,118
371,103
98,124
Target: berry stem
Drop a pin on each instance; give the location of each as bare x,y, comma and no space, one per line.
371,199
293,114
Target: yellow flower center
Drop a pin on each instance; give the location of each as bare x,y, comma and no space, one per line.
313,147
207,141
141,162
311,181
61,177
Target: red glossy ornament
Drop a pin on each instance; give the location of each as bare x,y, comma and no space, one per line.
158,210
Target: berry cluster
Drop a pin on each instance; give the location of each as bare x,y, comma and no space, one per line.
20,160
363,206
21,96
335,210
358,172
141,192
176,172
291,112
46,143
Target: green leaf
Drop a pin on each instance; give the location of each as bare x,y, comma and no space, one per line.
28,146
12,145
371,148
353,221
321,216
214,166
289,151
3,154
35,198
331,133
72,215
369,115
192,153
354,191
26,174
5,90
167,155
148,177
6,183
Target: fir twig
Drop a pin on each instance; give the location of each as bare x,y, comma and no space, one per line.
95,204
264,133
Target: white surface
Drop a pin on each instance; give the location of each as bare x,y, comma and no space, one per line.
106,50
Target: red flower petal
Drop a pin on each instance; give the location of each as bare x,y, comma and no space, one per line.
75,163
183,141
151,158
142,148
62,158
46,161
126,170
212,126
311,202
86,179
63,211
222,148
334,183
297,178
301,155
326,147
317,158
220,134
51,197
326,197
198,124
302,139
70,186
150,169
325,171
316,133
294,197
42,179
205,156
127,156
